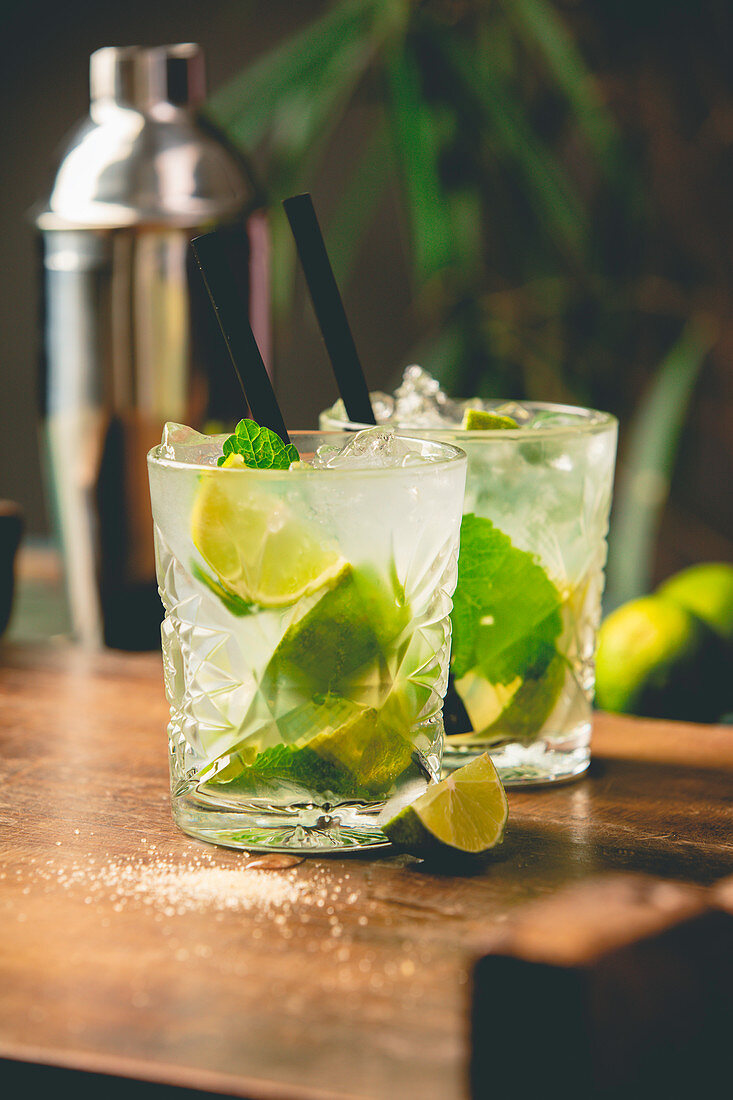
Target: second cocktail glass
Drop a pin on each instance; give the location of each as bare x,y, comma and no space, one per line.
530,578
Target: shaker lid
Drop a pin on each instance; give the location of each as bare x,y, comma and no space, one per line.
141,76
141,157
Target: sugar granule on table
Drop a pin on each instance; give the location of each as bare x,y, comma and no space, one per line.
317,908
176,887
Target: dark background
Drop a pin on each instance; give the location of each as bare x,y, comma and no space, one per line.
666,73
44,91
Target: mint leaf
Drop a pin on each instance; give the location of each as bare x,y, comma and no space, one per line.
288,764
506,610
231,600
260,447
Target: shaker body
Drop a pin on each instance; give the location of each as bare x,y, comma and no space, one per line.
130,340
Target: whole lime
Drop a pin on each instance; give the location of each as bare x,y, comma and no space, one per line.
707,591
657,659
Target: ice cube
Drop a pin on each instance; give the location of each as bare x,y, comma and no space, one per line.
420,402
183,444
382,406
372,448
322,458
514,409
337,411
550,418
416,380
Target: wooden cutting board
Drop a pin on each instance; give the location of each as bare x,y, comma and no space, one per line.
129,950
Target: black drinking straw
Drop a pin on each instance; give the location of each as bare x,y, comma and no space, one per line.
329,309
232,315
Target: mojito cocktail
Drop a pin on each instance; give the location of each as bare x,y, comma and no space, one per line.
306,632
530,574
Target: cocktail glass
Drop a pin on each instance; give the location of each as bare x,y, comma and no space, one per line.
306,636
530,578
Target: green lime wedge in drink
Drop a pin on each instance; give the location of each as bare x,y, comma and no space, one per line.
373,755
342,643
518,709
465,813
257,549
477,420
236,764
532,704
352,753
352,738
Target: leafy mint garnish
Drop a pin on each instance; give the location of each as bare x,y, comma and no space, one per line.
260,447
506,610
300,766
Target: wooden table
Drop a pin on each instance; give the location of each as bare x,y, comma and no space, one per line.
130,950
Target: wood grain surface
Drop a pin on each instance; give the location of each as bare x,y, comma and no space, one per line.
128,949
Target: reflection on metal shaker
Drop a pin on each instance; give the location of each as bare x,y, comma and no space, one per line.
130,340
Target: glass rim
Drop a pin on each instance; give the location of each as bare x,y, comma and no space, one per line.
590,422
454,455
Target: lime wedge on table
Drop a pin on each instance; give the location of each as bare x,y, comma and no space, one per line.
465,813
478,420
256,547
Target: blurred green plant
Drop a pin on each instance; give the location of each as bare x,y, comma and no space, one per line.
529,229
651,446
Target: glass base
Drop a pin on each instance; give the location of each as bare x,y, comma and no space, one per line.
548,760
307,829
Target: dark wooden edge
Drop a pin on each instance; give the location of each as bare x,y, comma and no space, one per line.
642,1017
88,1076
37,1080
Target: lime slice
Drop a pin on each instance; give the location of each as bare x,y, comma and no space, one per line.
532,704
352,755
319,716
477,420
485,702
343,641
258,550
238,761
373,755
465,813
516,710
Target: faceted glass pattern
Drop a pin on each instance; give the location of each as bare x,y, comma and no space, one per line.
296,725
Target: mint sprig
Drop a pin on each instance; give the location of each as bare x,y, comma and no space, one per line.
261,448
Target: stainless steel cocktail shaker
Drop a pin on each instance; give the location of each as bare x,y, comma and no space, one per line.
129,338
